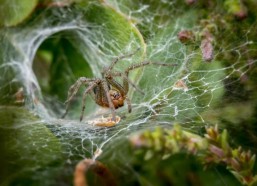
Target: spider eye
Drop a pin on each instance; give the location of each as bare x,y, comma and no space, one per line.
116,95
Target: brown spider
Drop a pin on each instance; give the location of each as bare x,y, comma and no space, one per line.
106,91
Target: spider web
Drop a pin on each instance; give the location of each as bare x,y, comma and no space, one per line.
182,93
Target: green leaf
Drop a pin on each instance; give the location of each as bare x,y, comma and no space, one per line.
13,12
224,141
203,81
26,145
233,6
9,52
117,35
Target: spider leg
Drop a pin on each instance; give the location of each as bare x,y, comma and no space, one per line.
145,63
73,91
126,82
121,57
115,84
129,105
106,90
89,88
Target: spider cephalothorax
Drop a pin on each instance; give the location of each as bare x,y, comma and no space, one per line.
107,92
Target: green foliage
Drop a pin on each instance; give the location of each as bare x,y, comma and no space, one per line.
213,148
47,45
27,147
13,12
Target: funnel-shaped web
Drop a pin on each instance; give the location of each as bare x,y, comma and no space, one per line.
80,40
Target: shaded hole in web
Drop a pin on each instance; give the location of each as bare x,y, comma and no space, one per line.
57,65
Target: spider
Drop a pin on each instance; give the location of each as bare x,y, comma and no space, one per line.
106,91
